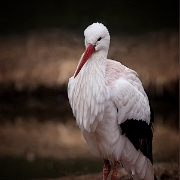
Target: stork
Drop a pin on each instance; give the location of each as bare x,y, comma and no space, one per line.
112,109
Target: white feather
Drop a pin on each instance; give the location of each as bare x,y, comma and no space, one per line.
144,169
130,107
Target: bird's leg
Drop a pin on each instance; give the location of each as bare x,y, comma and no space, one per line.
106,169
115,170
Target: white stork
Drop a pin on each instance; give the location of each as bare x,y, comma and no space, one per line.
112,108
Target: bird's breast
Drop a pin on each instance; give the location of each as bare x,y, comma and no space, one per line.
103,139
88,97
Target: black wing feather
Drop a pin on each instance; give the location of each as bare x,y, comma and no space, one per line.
140,134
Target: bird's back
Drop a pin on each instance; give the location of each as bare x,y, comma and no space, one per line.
115,70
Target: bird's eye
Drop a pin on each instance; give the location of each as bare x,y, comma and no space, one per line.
99,39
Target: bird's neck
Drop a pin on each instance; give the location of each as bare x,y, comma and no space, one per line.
96,66
90,91
92,77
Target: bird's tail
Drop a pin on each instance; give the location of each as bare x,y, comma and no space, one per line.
136,163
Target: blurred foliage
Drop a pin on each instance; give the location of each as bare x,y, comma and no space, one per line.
123,16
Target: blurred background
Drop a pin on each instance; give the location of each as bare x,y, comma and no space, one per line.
40,45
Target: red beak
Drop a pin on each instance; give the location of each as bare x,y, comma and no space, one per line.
89,50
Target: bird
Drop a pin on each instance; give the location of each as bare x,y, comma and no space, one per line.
112,109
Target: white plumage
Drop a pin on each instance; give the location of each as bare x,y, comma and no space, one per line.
103,95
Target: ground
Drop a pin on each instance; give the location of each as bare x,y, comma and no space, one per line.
163,171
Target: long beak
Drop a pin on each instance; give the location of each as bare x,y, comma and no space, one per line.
89,50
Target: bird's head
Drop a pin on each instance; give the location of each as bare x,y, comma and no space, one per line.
97,38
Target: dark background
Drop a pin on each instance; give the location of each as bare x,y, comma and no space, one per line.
119,16
40,41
